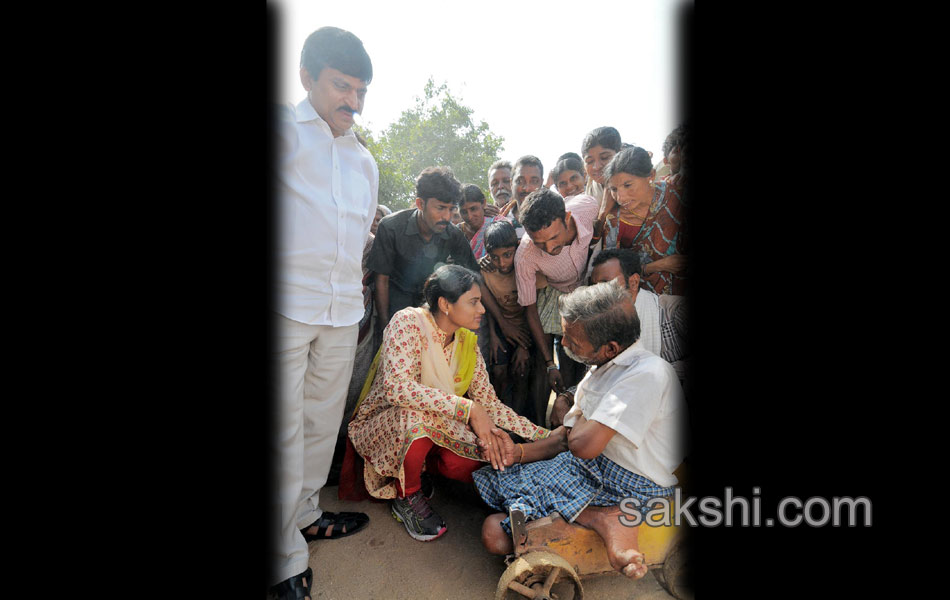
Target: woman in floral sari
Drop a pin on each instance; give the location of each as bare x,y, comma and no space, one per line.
652,216
429,405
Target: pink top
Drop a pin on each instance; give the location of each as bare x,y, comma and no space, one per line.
566,270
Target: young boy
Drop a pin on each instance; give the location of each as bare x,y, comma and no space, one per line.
474,218
509,363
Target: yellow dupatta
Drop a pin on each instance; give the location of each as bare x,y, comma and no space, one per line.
451,378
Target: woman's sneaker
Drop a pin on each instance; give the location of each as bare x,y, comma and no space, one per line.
428,487
421,521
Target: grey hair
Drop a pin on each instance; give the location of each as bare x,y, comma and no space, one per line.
500,164
600,309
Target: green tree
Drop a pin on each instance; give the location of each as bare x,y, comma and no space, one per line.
437,131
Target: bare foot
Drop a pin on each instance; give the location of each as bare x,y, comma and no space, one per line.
620,540
494,537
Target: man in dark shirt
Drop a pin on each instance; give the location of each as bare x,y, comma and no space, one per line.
412,243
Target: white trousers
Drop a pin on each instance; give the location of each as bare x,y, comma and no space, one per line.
313,366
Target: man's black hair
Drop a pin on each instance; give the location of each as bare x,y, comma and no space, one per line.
628,258
439,183
677,137
528,160
541,208
338,49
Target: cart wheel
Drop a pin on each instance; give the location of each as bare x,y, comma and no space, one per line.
675,572
539,576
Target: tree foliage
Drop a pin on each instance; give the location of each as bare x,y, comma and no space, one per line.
437,131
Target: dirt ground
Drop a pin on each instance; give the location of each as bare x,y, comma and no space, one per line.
383,563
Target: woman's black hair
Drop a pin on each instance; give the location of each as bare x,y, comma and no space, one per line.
569,155
607,137
449,282
634,161
472,193
568,164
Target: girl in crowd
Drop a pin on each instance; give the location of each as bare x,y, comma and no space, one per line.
569,176
598,148
429,405
651,215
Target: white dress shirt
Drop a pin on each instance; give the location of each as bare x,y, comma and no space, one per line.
638,395
327,192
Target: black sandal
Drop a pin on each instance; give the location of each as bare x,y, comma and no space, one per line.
295,588
351,522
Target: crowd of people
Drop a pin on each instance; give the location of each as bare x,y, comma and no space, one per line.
528,338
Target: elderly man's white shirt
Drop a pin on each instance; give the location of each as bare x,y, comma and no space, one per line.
327,191
638,395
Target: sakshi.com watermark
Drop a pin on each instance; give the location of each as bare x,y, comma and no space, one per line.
739,511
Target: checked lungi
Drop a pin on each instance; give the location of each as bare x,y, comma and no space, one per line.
566,484
548,311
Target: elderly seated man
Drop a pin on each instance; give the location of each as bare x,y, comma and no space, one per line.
622,437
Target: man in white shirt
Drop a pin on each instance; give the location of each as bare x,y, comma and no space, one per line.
326,186
663,318
625,437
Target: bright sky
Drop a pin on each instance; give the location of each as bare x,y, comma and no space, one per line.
541,73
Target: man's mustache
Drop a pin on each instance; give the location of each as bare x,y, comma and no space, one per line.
347,109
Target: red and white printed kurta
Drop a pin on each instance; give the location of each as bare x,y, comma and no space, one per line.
399,409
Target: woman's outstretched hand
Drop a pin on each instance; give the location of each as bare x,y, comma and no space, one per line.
509,450
489,443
